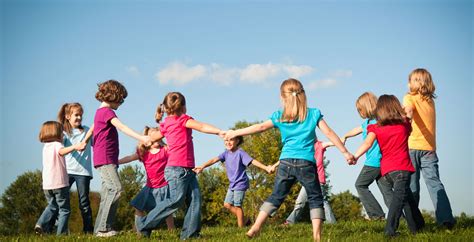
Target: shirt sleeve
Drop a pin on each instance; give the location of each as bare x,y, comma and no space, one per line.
222,157
371,128
185,119
318,115
246,159
109,114
275,118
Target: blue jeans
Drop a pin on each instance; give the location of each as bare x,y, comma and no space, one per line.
235,198
58,207
83,186
402,200
184,188
290,171
300,202
367,176
109,195
427,163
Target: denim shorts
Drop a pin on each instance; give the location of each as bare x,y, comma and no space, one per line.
147,198
234,197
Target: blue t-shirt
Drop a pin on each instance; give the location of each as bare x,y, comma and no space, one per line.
298,138
78,162
235,165
373,155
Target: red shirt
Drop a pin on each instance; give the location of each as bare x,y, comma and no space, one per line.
393,142
319,157
155,168
179,139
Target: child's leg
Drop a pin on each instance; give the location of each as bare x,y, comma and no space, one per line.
299,205
43,225
398,179
62,199
192,219
83,186
111,189
234,203
317,228
386,190
330,218
257,226
170,222
366,177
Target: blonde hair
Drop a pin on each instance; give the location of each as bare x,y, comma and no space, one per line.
420,82
366,104
111,91
173,103
294,101
51,131
142,148
67,109
389,111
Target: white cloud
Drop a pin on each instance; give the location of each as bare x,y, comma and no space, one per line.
180,74
320,84
222,75
258,73
133,70
342,73
298,71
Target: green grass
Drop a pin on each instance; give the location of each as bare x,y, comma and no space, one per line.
342,231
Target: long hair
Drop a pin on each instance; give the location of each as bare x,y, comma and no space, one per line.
51,131
294,101
111,91
173,103
420,82
366,104
66,110
389,111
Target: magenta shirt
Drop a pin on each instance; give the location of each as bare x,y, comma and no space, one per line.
106,142
319,157
179,139
155,168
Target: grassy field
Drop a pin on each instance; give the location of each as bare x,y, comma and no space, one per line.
342,231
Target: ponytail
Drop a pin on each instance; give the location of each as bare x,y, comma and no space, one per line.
159,113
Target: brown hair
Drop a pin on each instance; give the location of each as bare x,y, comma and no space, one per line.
173,103
142,148
389,111
420,82
51,131
294,101
67,109
366,104
111,91
239,139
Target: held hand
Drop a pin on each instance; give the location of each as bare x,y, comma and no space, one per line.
350,158
198,169
222,134
269,169
343,140
229,134
81,146
274,167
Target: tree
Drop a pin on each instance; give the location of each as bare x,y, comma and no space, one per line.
132,179
346,206
23,202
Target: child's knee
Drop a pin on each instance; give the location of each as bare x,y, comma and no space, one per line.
228,205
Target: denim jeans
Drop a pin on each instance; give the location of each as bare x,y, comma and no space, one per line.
427,163
83,186
290,171
402,200
184,188
58,207
109,195
367,176
300,202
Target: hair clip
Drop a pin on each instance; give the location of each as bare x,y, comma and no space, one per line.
294,94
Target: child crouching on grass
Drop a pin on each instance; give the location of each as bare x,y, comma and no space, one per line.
236,161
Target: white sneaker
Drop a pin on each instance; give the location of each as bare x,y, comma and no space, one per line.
107,234
38,229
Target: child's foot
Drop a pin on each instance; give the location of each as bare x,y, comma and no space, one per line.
251,234
38,230
110,233
285,224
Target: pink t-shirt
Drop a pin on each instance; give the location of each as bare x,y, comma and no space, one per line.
179,139
319,157
393,142
54,167
155,167
106,142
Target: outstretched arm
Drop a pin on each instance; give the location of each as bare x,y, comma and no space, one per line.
203,127
327,144
258,164
66,150
256,128
128,158
128,131
199,169
354,132
368,142
332,136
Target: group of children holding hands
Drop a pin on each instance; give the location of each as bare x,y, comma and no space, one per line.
399,143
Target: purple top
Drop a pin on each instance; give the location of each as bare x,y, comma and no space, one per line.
106,142
235,165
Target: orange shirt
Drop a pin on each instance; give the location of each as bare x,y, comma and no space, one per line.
423,136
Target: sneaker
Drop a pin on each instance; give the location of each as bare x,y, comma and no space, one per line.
107,233
38,230
448,225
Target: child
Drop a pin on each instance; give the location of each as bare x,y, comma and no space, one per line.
302,199
420,107
297,125
78,164
370,172
111,94
236,161
154,159
391,131
177,129
55,179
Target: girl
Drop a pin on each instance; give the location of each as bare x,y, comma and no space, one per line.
154,159
55,179
236,161
297,125
370,172
78,164
177,129
391,132
302,199
420,107
111,94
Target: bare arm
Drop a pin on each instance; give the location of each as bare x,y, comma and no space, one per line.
128,131
89,134
332,136
210,162
202,127
66,150
353,132
256,128
327,144
128,158
409,111
368,142
258,164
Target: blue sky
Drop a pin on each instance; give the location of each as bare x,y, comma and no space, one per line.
228,58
